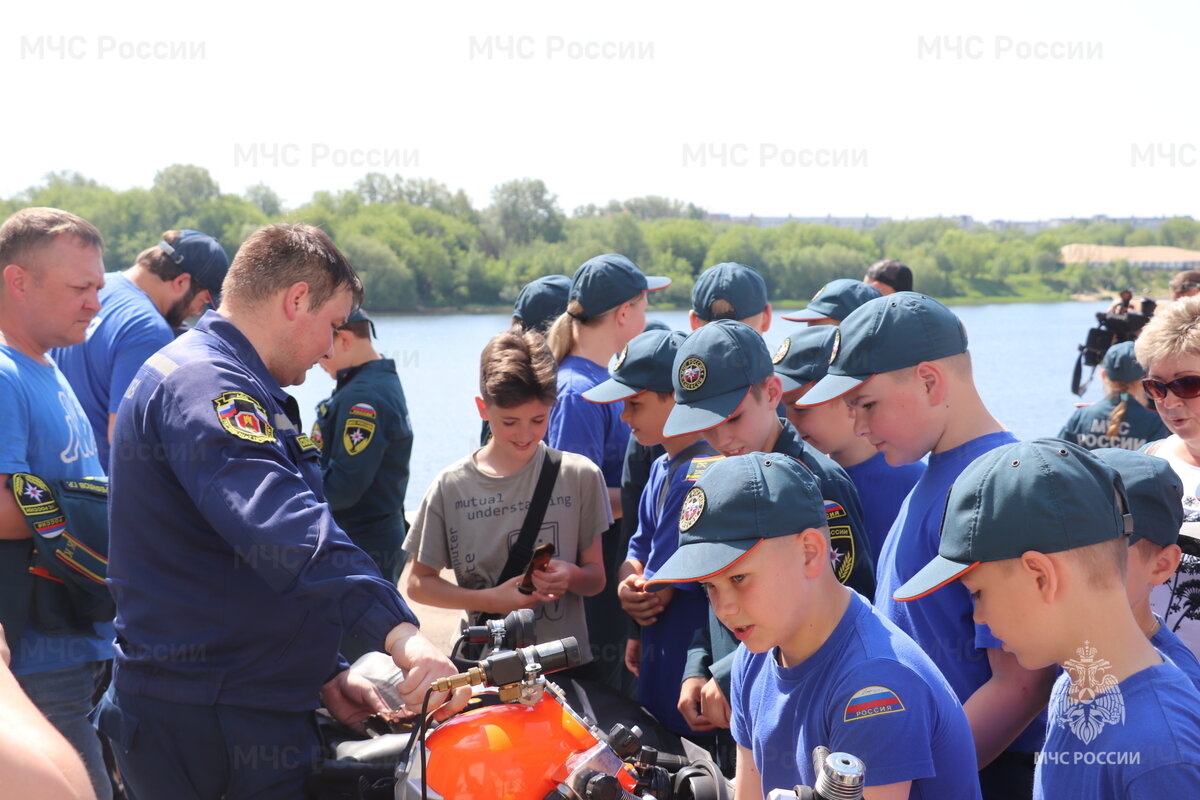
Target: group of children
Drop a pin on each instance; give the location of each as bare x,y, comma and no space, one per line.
799,509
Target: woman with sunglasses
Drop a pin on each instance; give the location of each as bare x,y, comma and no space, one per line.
1121,419
1169,347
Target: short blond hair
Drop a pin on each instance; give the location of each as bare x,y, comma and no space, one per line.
1173,331
31,229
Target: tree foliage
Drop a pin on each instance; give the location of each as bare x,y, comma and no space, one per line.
418,244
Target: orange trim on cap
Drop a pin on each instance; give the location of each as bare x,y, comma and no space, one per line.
951,579
610,402
659,288
865,380
727,416
711,574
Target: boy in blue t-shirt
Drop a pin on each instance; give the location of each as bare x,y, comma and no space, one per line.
817,666
1155,501
900,362
1038,533
641,378
801,360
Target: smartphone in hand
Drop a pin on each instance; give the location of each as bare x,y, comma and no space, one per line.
541,557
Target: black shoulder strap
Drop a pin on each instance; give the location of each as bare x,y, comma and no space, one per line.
522,549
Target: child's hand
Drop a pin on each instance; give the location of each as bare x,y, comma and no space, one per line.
506,598
633,655
689,705
552,582
640,604
713,704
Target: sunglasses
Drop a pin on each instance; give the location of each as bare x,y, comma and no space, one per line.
1184,388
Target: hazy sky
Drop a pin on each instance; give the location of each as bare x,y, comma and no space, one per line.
1015,110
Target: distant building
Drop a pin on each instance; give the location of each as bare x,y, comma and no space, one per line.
1154,257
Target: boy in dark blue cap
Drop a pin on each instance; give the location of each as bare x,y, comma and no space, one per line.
366,438
818,665
1155,495
1121,419
641,379
730,291
1038,533
542,301
834,302
901,363
800,361
142,308
605,310
726,388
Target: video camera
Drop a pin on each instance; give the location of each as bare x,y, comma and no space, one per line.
1110,329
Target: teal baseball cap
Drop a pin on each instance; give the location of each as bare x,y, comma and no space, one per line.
1121,365
803,357
1154,491
604,282
737,284
643,365
359,315
202,257
737,503
1045,495
542,301
888,333
713,371
835,300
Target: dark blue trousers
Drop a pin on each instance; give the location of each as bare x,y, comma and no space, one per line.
172,751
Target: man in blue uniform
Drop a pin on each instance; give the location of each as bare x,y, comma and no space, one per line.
233,584
52,268
140,309
365,439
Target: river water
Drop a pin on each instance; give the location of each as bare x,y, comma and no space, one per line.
1023,354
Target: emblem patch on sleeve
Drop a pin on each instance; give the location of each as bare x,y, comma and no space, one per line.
363,410
244,417
841,541
872,702
316,437
357,435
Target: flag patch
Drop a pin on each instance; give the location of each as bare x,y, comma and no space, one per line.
833,510
363,410
244,417
871,702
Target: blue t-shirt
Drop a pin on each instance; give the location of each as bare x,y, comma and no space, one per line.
594,430
868,691
941,622
665,643
1170,645
1088,426
128,330
46,433
1139,740
882,489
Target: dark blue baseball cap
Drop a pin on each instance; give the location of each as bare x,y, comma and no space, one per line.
1154,490
1045,495
604,282
713,372
656,325
803,357
202,257
542,301
1121,365
835,300
643,365
888,333
359,315
737,284
737,503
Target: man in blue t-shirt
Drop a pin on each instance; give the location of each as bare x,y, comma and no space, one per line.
53,270
141,308
901,363
1038,533
817,665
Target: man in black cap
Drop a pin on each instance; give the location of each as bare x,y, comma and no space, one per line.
366,439
141,309
890,276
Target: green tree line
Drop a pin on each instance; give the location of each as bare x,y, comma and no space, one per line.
418,245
